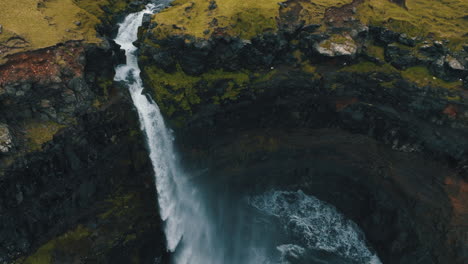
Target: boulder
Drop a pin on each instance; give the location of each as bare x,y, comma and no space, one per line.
338,45
454,64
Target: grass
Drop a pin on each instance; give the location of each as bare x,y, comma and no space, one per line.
376,52
244,19
240,18
36,24
367,67
422,18
313,12
418,75
422,77
121,219
78,239
179,91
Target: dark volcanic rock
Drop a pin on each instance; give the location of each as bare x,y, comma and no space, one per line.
385,102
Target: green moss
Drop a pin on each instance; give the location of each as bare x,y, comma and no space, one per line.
376,52
244,19
38,133
264,76
365,67
237,18
116,204
336,39
422,77
179,91
444,19
312,12
29,25
390,84
173,90
454,98
76,239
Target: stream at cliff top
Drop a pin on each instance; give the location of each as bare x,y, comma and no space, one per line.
207,224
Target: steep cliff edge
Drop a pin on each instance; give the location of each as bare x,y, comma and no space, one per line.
77,185
393,72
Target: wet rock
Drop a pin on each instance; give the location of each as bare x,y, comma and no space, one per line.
146,20
311,28
400,57
384,35
6,141
164,60
405,40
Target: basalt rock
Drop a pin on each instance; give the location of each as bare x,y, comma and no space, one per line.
69,140
378,90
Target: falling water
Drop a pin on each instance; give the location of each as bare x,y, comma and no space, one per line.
200,227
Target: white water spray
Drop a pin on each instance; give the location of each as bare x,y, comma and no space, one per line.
195,232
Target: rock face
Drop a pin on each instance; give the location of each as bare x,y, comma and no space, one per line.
346,110
77,184
326,96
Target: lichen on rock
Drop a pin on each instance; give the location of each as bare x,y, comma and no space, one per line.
6,141
337,45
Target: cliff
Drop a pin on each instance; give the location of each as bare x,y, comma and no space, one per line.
282,88
361,103
76,181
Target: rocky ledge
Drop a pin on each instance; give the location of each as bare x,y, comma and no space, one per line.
372,89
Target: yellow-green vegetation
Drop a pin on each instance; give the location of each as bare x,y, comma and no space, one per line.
117,220
418,75
244,19
238,18
337,39
376,52
116,205
177,90
312,12
454,98
422,77
35,24
367,67
444,19
77,239
38,133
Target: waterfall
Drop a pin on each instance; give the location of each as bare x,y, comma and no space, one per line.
199,229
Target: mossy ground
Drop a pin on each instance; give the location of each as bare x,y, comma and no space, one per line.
244,19
240,18
418,75
422,77
311,12
122,221
38,133
77,239
368,67
422,18
35,24
179,91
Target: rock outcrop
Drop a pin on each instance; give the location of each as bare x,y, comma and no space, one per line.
77,184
